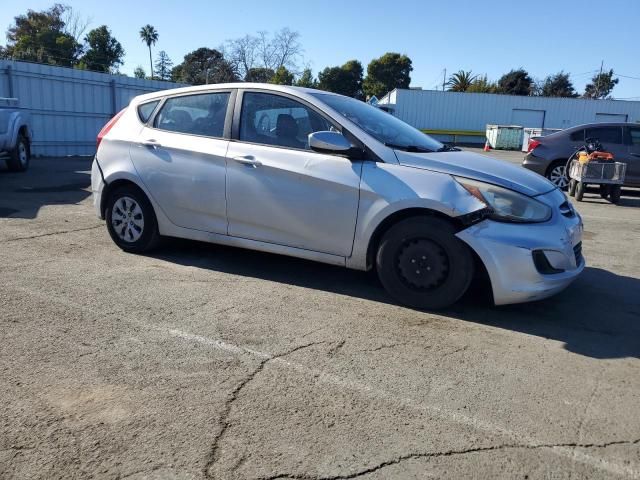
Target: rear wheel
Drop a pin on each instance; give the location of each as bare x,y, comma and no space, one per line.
616,191
605,191
557,174
580,188
131,221
19,157
422,264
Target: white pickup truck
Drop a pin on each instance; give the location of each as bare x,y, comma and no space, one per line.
15,135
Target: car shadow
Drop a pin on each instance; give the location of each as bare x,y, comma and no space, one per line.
598,316
48,181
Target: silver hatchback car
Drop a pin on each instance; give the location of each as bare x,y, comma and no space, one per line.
324,177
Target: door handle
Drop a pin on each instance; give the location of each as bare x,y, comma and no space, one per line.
151,143
248,160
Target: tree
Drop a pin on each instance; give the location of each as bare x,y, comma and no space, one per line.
601,85
516,82
41,37
149,35
282,49
461,81
282,76
204,65
306,80
390,71
139,72
163,66
259,75
558,85
482,85
345,80
103,53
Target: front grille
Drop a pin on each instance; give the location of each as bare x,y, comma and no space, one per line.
577,251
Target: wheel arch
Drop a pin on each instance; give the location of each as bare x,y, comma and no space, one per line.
374,240
113,185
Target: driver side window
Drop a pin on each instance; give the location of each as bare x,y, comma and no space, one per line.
271,119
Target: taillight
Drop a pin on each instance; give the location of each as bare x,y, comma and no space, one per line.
108,127
533,144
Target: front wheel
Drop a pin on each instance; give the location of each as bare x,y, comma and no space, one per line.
422,264
572,187
131,221
580,188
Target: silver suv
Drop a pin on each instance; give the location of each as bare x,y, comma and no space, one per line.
328,178
548,155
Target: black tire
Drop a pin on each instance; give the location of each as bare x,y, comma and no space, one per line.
605,191
616,191
138,236
580,188
20,156
572,187
446,263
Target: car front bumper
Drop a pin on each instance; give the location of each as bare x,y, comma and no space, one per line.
506,249
97,185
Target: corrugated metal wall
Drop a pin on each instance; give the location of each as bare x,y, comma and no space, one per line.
69,107
434,110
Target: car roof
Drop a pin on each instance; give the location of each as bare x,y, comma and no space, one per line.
603,124
226,86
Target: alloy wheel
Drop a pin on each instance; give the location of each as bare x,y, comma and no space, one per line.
558,176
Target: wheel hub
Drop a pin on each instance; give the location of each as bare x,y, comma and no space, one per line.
423,264
558,176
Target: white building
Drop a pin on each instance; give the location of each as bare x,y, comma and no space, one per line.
463,117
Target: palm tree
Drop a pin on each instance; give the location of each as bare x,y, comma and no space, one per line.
149,35
461,81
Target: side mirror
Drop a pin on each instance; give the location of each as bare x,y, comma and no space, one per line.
330,142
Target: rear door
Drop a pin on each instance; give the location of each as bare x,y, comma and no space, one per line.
181,158
633,160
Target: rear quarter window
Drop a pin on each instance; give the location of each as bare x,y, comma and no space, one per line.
577,136
146,109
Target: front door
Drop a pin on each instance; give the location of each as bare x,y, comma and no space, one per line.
281,192
181,159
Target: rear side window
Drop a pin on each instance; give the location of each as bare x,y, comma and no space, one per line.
202,114
577,136
146,109
605,134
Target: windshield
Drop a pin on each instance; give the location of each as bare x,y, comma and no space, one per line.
381,125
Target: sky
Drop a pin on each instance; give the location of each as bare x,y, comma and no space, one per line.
544,37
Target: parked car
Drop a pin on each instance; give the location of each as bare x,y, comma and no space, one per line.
328,178
548,155
15,135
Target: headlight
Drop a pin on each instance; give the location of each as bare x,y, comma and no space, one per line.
506,205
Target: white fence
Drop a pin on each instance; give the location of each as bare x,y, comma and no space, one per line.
69,107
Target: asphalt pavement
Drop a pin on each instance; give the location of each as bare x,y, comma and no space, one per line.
203,361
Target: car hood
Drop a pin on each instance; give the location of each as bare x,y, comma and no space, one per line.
479,167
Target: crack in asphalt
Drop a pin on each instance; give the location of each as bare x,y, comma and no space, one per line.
336,348
51,234
448,453
213,456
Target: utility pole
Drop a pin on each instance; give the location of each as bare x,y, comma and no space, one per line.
599,79
444,79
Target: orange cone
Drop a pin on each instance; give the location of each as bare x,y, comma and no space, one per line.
486,148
